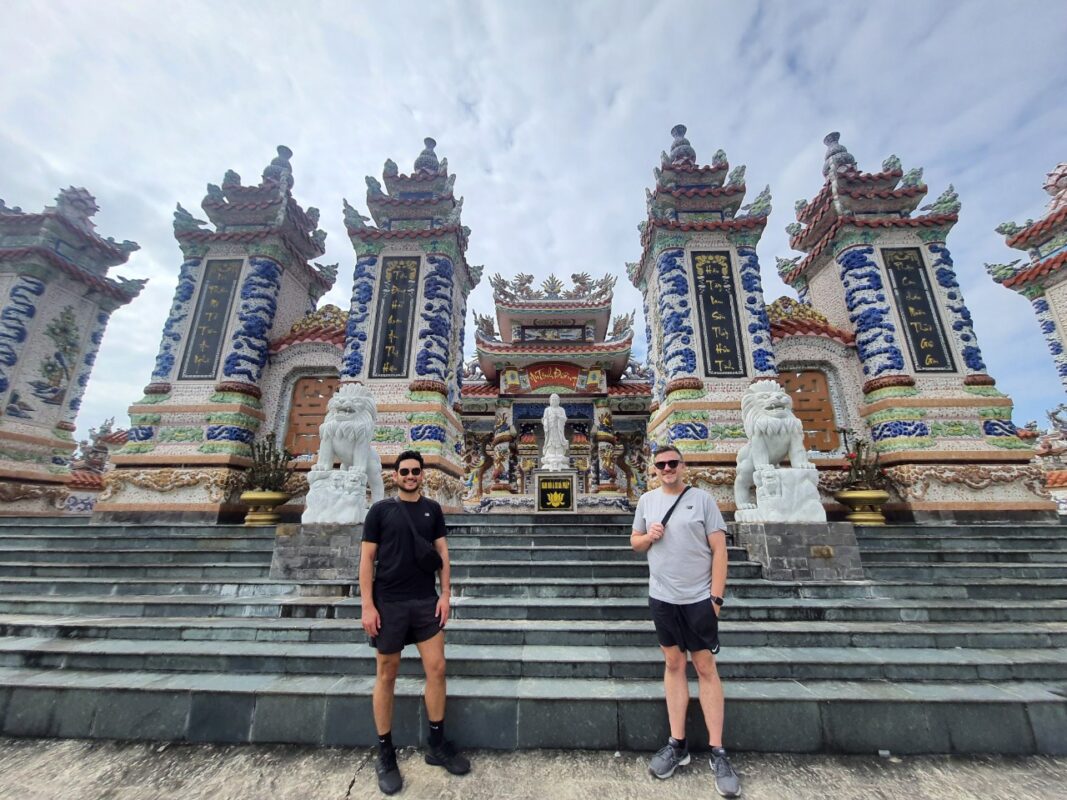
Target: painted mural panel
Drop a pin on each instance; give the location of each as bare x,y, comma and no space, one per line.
924,331
720,322
213,306
398,287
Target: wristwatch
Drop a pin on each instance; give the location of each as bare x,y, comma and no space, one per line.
717,600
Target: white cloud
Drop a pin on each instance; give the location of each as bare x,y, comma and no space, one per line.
553,115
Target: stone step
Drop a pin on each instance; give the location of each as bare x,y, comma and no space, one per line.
985,543
463,569
133,542
542,519
218,587
964,611
150,531
620,532
537,661
230,572
920,556
610,553
135,556
509,713
38,522
962,571
1001,529
568,588
637,632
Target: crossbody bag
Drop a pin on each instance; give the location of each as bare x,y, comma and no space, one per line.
674,505
426,556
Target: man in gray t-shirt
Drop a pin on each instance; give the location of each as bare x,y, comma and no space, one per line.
687,561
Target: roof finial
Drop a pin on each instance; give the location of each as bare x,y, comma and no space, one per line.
1056,185
279,170
681,150
427,160
838,159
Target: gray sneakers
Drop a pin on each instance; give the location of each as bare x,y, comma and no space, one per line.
667,760
726,781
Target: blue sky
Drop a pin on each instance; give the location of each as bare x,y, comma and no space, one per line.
553,114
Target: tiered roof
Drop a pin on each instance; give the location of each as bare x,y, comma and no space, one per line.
688,197
326,324
65,237
249,214
1045,241
850,198
586,305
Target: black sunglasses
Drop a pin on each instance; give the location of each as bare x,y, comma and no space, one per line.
404,471
669,464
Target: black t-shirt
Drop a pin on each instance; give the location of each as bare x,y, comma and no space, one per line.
398,577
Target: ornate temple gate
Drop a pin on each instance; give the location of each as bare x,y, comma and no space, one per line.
813,407
309,400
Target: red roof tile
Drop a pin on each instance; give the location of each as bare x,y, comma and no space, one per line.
555,347
103,285
805,327
552,305
388,200
1056,479
480,390
1035,233
1038,270
927,221
320,333
705,191
84,479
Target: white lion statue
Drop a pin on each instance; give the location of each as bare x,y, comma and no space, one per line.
774,434
339,496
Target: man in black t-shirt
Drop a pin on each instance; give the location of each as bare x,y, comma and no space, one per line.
401,606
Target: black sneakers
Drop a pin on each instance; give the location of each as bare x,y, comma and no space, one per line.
667,760
389,780
445,755
727,783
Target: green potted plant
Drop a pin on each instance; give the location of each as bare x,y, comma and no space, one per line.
864,488
263,483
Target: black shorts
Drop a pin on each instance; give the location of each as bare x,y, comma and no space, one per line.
405,622
689,627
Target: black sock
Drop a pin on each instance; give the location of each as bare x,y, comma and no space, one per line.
678,744
437,733
385,742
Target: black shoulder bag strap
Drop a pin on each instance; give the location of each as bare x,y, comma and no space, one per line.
674,505
426,556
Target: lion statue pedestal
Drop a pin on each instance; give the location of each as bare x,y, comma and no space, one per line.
784,495
774,434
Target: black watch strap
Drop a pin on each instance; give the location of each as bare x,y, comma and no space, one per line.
717,600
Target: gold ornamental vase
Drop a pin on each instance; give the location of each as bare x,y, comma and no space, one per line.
261,507
865,505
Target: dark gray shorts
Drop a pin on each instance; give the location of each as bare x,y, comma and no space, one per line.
405,622
689,627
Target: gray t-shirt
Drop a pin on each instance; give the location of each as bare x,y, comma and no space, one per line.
679,564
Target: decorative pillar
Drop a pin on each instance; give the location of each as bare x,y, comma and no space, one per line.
605,442
241,284
705,314
503,436
1043,278
404,332
176,327
57,302
877,269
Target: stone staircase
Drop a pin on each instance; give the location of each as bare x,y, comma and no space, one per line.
957,642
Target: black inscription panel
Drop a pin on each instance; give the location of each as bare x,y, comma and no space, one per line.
720,321
555,492
398,287
930,351
203,347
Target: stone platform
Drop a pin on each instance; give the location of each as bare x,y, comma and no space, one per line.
955,641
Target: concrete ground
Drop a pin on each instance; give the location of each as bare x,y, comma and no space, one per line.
92,770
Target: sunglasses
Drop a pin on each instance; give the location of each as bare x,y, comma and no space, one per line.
404,471
669,464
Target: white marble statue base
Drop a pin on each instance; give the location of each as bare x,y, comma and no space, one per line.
336,497
555,462
784,495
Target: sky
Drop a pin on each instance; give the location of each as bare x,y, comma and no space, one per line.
552,114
